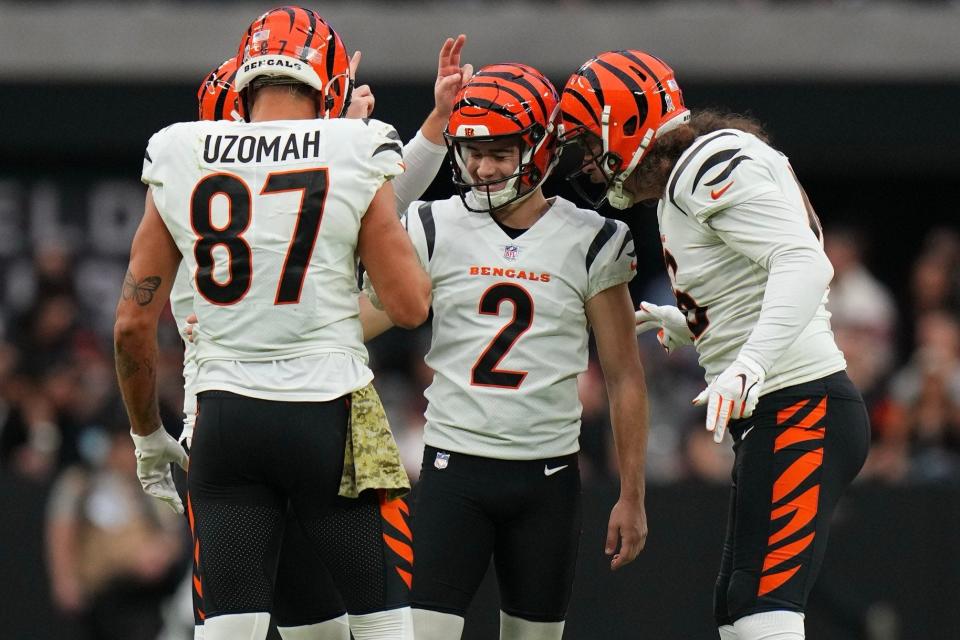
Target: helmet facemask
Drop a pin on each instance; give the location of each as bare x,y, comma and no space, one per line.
510,189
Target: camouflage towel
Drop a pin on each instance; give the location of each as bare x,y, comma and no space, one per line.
371,459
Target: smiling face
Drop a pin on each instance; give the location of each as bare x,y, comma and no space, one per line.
491,163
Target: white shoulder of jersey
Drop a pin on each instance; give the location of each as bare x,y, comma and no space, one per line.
720,170
157,147
610,257
421,218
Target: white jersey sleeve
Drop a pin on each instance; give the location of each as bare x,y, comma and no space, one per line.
745,257
718,173
611,258
385,151
423,160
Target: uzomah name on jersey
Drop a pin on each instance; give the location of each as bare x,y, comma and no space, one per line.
519,274
229,149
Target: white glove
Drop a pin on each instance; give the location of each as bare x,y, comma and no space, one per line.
670,322
371,293
155,452
732,395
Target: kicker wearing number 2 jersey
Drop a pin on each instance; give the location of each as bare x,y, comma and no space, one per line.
309,330
729,172
508,316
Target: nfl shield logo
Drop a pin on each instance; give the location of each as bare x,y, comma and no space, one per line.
443,459
510,252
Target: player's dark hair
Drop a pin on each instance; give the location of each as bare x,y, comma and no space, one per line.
660,160
294,87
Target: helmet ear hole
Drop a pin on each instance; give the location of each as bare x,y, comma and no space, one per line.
630,126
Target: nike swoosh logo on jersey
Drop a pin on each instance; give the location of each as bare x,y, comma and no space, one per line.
719,192
743,436
547,471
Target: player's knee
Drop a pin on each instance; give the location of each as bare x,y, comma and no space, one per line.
770,625
435,625
741,596
515,628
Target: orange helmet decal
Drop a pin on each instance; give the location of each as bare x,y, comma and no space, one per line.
499,101
625,99
217,98
297,43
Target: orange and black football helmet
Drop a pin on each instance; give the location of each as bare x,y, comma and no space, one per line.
296,43
509,100
614,107
217,98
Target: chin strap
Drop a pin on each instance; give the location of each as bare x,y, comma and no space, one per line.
616,195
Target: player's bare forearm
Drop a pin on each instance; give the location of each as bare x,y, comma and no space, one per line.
135,353
373,320
630,420
146,287
611,314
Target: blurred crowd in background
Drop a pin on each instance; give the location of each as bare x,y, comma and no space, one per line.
62,423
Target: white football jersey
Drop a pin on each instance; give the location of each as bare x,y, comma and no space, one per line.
509,324
719,240
266,216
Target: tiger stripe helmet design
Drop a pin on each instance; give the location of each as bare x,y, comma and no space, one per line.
502,101
217,98
296,43
624,100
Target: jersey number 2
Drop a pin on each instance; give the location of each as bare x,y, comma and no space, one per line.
312,185
485,372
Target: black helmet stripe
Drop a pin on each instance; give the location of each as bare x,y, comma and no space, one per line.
488,105
292,14
591,76
312,18
586,105
496,85
663,98
566,116
639,95
523,82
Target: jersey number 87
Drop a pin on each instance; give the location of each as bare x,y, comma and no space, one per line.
312,184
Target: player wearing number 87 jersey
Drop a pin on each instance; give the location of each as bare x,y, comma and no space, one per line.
518,282
744,254
268,216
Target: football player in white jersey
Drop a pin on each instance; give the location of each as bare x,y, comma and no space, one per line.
743,249
269,217
306,604
518,283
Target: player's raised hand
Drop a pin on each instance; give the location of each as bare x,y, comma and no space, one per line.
362,99
628,526
451,76
732,395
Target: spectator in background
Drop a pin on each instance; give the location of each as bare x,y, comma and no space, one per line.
111,549
926,398
862,309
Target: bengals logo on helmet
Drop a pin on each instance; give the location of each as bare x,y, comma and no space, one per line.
217,98
297,43
624,99
501,101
